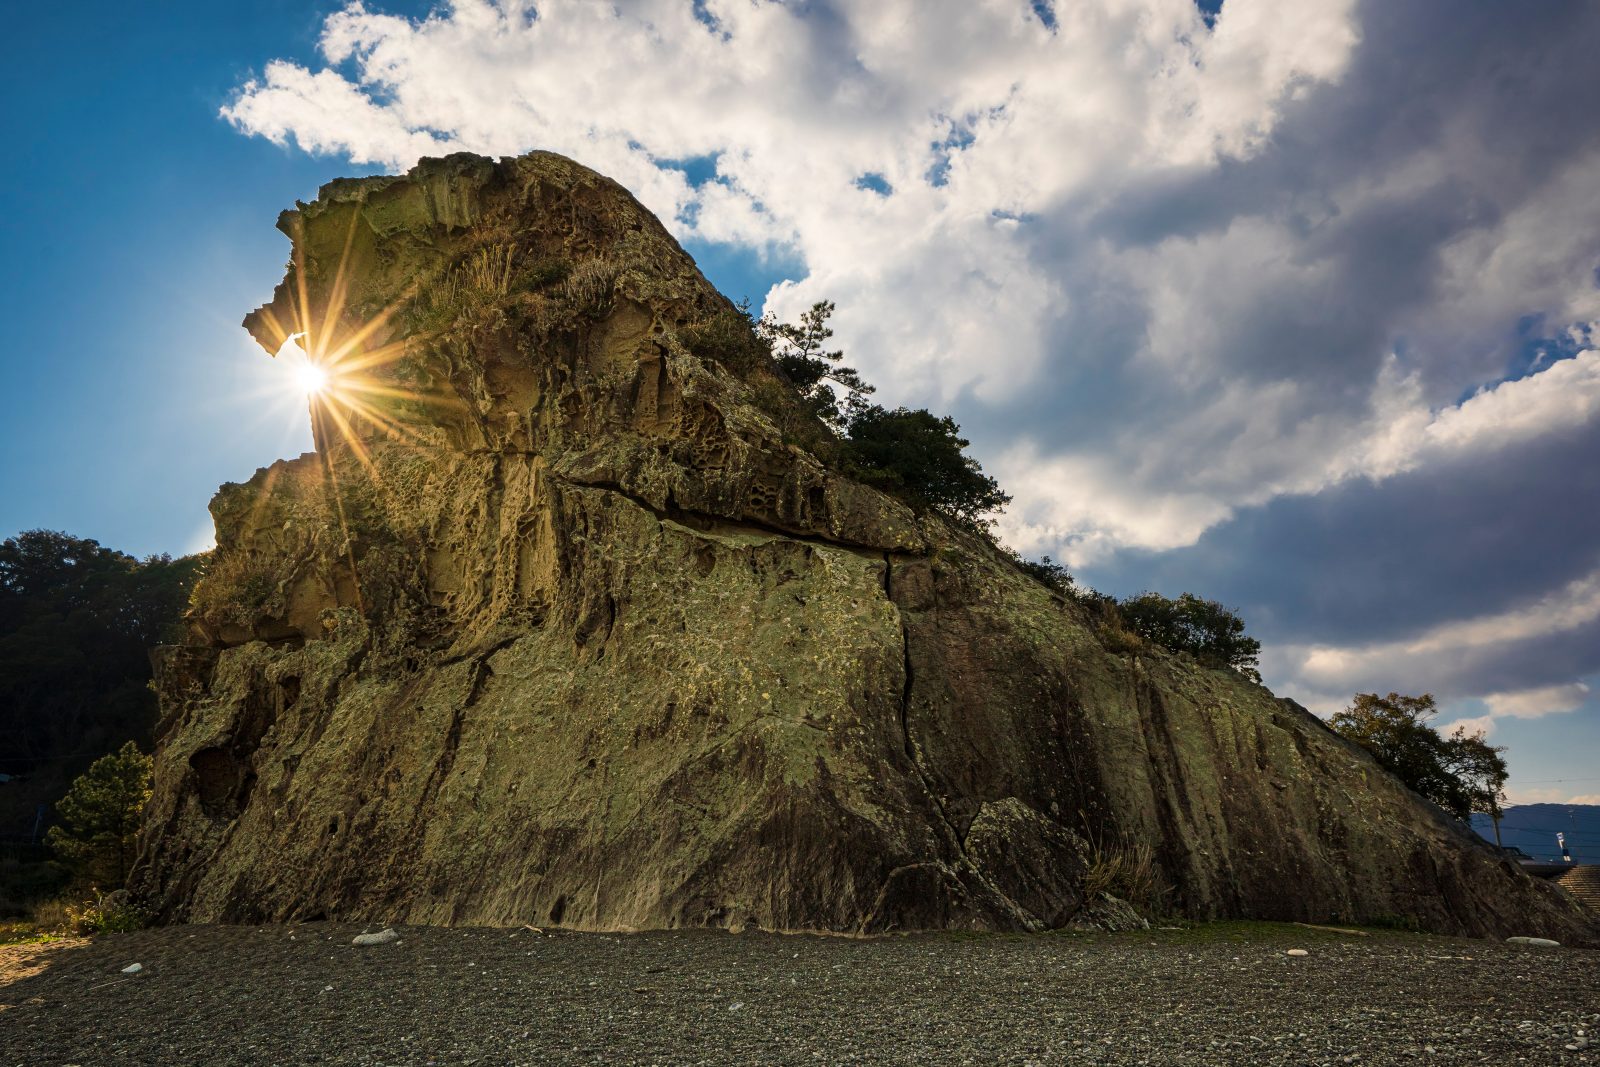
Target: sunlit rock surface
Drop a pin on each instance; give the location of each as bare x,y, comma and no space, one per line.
570,621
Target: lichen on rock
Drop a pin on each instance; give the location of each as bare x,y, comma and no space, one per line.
572,619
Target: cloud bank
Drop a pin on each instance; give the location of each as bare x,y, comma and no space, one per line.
1295,305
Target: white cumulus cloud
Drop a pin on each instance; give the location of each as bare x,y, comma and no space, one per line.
1539,701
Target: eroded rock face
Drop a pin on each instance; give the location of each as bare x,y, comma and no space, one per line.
569,620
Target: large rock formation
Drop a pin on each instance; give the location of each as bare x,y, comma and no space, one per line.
570,619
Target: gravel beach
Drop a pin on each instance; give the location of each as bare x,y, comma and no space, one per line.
1219,994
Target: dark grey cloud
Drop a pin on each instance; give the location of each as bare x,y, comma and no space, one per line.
1449,118
1476,108
1368,561
1535,663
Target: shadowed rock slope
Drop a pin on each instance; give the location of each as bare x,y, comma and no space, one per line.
570,619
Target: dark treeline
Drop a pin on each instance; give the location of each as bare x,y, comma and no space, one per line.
77,621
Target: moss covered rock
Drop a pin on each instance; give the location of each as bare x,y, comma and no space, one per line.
572,619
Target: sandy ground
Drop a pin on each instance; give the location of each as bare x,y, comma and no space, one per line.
1225,994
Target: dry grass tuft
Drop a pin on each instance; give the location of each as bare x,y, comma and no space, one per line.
1129,873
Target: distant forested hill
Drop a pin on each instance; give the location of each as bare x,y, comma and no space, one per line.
1533,829
77,621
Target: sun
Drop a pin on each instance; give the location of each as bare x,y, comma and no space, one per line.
306,376
310,378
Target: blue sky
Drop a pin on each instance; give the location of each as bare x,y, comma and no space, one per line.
1290,305
140,233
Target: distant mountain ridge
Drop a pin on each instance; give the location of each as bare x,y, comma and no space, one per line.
1533,828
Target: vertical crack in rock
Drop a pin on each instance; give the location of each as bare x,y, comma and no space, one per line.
1005,910
908,680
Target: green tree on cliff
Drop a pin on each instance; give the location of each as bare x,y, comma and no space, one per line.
100,815
923,458
1462,773
912,453
801,353
1203,628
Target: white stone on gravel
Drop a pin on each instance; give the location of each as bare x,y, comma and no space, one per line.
1541,942
1297,952
382,937
133,968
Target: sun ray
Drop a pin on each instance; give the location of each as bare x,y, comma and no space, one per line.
357,446
376,357
275,327
258,507
331,474
382,421
336,296
302,296
437,399
334,371
372,325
